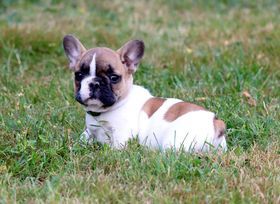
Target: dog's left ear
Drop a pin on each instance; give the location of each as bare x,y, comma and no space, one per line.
131,53
73,49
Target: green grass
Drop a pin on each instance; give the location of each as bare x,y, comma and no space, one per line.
204,52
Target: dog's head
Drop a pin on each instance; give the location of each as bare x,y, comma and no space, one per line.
103,76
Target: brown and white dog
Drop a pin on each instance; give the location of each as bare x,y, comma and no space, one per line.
117,110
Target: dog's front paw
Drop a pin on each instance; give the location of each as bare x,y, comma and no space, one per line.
86,137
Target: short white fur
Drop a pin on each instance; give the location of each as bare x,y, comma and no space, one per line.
93,66
85,89
193,131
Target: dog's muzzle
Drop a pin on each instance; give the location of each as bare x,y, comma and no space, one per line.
79,99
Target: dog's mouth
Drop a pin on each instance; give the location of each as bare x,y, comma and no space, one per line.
91,101
79,99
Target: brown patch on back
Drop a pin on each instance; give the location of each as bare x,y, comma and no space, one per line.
152,105
179,109
220,127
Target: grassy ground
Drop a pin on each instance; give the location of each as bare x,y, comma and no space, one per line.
223,55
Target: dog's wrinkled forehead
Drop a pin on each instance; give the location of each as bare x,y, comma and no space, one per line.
100,60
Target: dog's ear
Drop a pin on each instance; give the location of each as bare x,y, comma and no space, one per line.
131,53
73,49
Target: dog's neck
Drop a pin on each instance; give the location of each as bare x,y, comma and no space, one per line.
94,114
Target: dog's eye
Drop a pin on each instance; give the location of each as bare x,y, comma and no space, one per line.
115,78
79,76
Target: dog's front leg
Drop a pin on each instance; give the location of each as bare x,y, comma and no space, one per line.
86,136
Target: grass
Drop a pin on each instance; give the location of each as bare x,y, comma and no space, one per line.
205,52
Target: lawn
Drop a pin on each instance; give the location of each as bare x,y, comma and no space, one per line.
223,55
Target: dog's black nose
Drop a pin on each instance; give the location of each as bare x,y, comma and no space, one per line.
94,85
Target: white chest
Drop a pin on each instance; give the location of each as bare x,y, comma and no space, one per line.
117,126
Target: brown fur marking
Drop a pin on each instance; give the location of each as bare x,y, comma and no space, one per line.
179,109
220,127
104,58
152,105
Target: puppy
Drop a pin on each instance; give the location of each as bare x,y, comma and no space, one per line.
117,110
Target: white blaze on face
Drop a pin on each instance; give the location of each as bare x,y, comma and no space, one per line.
93,66
85,88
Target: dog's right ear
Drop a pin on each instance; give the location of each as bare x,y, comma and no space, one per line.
73,49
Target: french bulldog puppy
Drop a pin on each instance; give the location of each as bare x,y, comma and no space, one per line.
117,110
